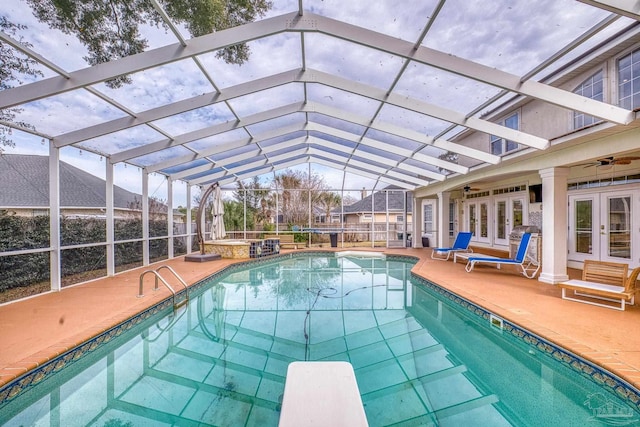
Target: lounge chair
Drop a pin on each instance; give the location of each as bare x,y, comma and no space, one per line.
529,267
461,244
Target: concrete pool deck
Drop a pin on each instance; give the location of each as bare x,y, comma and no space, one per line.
36,330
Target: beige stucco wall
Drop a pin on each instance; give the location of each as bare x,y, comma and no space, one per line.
544,119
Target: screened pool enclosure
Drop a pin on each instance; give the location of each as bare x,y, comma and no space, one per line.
338,118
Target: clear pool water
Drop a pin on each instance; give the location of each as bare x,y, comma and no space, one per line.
221,361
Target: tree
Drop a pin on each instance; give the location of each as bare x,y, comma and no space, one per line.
329,201
296,189
157,207
259,201
234,216
289,200
251,191
111,29
14,67
449,156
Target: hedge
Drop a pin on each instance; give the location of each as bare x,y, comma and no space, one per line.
20,233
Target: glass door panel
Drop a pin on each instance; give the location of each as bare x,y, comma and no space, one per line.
583,230
510,212
501,221
618,228
473,219
501,218
484,220
427,224
584,219
429,227
517,213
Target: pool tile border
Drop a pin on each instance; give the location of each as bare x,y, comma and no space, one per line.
24,382
620,387
617,385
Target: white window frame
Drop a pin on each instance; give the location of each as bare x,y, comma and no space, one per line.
505,146
626,79
586,89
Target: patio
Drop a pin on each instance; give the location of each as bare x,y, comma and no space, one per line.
37,329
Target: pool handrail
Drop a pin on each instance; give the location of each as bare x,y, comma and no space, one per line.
156,287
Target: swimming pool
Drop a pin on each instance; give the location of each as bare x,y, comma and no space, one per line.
422,356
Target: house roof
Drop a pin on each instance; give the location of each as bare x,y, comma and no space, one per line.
396,202
25,183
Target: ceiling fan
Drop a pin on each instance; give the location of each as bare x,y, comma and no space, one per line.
611,161
468,188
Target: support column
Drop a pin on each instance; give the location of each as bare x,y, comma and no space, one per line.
386,220
145,218
170,253
188,220
109,213
407,197
416,219
54,217
444,198
554,225
373,220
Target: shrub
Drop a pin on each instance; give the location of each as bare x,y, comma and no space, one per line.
20,233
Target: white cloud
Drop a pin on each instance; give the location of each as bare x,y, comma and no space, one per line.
512,36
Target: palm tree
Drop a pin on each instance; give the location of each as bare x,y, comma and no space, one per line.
286,182
328,201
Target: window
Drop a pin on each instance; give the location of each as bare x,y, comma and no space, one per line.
399,218
500,145
629,81
591,88
452,218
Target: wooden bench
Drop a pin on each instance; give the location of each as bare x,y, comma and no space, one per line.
286,240
602,280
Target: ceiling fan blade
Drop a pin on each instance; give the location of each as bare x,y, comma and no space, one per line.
610,161
605,160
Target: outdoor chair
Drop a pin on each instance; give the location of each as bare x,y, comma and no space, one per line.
602,280
461,244
529,267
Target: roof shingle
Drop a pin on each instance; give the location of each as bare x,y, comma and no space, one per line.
24,182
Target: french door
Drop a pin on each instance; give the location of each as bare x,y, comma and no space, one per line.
478,220
601,226
509,213
429,228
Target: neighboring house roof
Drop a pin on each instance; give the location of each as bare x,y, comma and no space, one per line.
396,202
24,182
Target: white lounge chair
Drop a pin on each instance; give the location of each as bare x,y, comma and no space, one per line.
461,244
529,267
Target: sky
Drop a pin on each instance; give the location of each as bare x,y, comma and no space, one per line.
510,35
